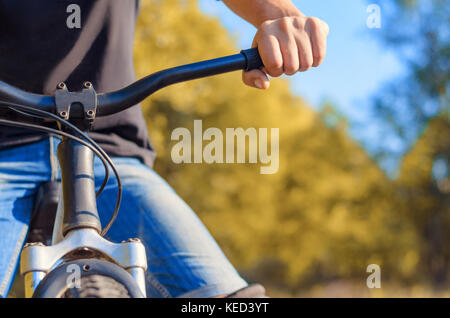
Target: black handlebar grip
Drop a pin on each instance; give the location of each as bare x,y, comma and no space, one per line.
253,59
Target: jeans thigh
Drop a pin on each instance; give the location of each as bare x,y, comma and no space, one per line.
22,169
183,257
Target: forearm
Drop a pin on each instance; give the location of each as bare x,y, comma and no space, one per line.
258,11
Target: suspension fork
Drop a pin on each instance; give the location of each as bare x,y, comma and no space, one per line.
77,226
78,206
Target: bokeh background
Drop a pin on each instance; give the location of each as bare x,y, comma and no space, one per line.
364,147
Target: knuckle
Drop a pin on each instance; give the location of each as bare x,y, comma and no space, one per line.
290,70
275,65
291,67
275,71
307,64
317,25
265,25
298,22
314,22
305,68
319,57
284,23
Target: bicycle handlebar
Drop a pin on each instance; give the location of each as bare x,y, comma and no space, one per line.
116,101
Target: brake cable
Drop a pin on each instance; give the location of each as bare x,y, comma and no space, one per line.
91,144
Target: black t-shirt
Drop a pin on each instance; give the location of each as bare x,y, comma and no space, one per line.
44,42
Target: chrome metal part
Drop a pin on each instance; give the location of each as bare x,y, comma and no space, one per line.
38,258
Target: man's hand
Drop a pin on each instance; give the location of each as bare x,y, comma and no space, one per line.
287,40
288,45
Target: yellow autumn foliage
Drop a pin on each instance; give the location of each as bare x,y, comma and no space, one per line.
328,213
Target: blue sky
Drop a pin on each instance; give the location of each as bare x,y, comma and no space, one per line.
356,66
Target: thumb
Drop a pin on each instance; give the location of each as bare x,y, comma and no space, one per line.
256,79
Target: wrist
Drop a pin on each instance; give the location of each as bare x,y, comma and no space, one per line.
259,11
279,9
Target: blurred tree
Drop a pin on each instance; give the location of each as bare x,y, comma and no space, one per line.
329,210
418,31
419,104
424,194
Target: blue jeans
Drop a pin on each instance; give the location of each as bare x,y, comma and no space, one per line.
183,258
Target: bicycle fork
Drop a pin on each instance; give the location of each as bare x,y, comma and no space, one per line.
77,228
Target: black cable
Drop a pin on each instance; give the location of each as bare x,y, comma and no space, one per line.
105,180
27,114
49,130
98,150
